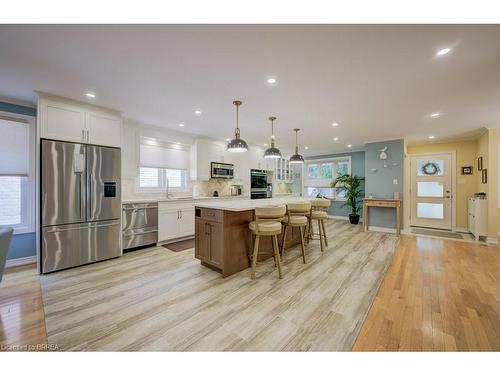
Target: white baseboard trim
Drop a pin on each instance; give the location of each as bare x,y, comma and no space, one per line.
342,218
20,261
492,241
382,229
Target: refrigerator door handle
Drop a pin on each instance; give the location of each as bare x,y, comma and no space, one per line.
89,202
80,194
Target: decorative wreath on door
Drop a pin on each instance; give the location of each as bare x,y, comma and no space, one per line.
430,169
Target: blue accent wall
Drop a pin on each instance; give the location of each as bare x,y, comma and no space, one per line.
357,168
379,183
22,245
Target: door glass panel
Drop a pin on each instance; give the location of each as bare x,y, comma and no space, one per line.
430,168
430,189
430,210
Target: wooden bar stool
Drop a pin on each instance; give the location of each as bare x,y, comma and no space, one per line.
267,223
296,217
319,211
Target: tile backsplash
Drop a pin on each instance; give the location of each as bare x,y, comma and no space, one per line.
197,188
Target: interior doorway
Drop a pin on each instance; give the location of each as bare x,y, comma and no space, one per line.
432,179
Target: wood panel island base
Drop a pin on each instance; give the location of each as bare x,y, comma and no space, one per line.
223,241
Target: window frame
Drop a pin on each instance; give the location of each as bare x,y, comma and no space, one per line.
335,161
28,186
162,182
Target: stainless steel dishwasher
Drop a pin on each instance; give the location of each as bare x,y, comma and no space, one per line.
139,224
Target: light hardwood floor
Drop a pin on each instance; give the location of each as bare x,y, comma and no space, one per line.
160,300
437,295
22,323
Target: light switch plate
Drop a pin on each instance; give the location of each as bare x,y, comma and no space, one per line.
395,181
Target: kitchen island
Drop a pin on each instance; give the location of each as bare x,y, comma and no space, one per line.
223,240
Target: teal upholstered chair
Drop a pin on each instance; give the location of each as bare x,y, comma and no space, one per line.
5,237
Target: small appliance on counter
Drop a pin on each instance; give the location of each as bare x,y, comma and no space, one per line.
258,184
269,190
221,170
236,190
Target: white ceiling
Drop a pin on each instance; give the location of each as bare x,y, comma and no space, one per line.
377,82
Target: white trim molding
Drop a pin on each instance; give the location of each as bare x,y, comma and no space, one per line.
492,241
20,261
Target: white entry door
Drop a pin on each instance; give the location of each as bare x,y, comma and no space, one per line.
431,191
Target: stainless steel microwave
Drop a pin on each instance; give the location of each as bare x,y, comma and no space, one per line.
221,170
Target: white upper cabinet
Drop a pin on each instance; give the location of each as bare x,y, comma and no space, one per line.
103,129
205,152
62,121
66,120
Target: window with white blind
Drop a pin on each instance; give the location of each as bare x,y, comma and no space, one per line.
17,187
320,173
162,164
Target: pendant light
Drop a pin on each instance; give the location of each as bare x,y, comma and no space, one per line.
296,158
272,152
237,144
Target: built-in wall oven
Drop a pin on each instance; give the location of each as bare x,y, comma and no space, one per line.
221,170
139,224
258,184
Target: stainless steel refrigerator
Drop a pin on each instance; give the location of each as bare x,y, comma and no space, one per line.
80,204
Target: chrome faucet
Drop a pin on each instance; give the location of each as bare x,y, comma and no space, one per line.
168,190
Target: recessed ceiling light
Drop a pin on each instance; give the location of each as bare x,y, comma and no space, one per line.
431,137
271,80
349,146
335,124
306,148
443,51
197,112
435,114
90,95
181,125
335,138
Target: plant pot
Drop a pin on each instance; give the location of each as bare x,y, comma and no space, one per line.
354,219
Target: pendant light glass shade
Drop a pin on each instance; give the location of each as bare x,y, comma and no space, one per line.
296,158
237,144
272,152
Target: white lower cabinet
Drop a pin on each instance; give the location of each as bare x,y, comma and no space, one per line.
478,217
175,220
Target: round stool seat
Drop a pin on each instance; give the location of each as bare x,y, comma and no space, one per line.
319,215
265,227
295,220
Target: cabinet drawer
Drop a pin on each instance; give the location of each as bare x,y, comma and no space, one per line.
177,206
212,214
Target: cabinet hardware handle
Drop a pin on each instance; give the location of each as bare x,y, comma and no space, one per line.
83,136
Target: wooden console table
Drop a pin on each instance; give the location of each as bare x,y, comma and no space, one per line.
381,202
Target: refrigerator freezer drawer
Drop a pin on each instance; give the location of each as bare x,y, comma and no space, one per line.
139,237
72,245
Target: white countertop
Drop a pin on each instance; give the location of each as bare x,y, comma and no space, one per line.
182,199
249,204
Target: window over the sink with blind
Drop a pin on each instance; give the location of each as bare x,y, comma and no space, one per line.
162,164
319,174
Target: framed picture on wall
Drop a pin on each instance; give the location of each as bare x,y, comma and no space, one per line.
480,163
466,170
484,176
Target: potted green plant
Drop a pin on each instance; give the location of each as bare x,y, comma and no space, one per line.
354,193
